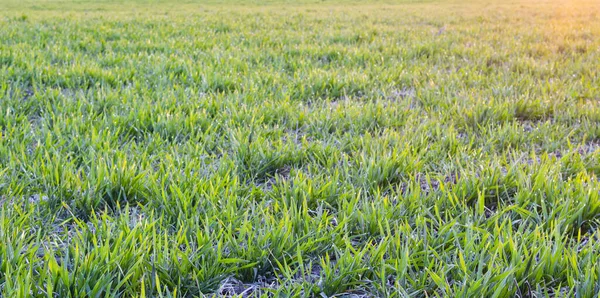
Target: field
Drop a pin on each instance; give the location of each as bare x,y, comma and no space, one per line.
300,149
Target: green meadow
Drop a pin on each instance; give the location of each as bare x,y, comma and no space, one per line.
401,148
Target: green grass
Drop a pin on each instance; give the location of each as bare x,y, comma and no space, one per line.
423,149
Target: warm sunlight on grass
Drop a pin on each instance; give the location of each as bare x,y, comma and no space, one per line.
310,149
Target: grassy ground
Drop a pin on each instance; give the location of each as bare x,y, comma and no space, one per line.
378,149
